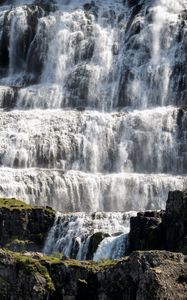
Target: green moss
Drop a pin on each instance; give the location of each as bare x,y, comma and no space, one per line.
50,260
19,245
58,255
20,242
13,204
91,265
17,242
35,267
105,263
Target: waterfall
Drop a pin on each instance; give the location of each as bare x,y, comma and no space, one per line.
92,112
71,234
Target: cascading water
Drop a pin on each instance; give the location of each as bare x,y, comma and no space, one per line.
72,234
93,117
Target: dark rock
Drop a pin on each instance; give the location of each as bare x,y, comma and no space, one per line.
143,276
9,97
146,231
123,97
162,230
175,221
4,44
77,86
133,2
134,13
23,227
88,6
80,108
94,242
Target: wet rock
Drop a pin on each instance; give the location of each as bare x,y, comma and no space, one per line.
8,97
78,86
38,47
136,10
124,99
94,242
88,6
133,2
4,44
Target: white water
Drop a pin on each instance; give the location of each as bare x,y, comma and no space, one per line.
112,247
71,234
96,124
138,141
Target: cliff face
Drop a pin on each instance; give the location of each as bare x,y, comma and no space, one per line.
162,230
142,276
23,227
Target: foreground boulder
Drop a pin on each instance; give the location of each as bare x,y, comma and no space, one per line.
24,227
142,275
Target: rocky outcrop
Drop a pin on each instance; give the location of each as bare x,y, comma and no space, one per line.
23,227
162,230
146,231
143,276
175,221
94,242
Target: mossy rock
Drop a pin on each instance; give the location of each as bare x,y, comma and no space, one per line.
16,204
13,203
91,265
17,245
35,266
